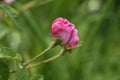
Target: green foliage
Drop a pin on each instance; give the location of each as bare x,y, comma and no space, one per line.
37,77
4,71
12,13
11,67
98,23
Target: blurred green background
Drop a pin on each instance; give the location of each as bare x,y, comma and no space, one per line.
98,23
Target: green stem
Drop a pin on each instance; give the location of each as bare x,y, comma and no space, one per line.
39,55
34,3
47,60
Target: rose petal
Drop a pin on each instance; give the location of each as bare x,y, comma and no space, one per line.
73,42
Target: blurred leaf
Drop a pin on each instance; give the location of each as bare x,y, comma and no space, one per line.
7,52
14,39
12,13
11,67
37,77
3,31
4,71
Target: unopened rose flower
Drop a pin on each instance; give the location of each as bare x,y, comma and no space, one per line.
9,1
64,30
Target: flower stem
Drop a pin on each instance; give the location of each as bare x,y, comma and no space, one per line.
40,54
47,60
34,3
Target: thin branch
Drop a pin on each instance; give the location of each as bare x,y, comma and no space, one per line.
47,60
40,54
34,3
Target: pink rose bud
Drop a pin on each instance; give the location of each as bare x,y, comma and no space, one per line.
9,1
64,30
